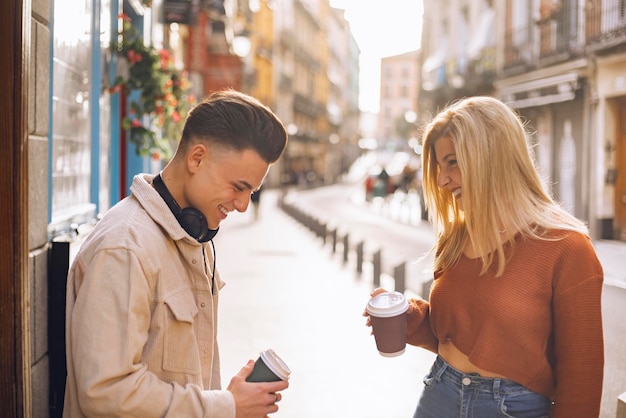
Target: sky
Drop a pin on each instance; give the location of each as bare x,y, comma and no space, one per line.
381,29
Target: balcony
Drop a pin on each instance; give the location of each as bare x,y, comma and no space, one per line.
559,36
264,49
287,39
518,54
605,25
304,105
481,71
285,82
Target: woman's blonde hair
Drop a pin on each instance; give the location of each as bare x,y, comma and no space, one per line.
500,183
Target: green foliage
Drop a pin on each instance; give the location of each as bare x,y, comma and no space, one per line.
160,94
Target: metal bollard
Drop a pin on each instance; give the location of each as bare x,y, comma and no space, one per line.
399,275
359,257
346,247
376,267
333,235
621,406
316,226
426,289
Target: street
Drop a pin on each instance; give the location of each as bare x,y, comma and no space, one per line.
285,290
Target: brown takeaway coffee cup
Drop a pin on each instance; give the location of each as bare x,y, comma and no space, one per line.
269,368
387,313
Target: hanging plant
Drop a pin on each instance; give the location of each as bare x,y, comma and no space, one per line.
159,93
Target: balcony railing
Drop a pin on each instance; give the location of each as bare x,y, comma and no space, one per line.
555,37
285,82
605,22
517,49
558,31
307,106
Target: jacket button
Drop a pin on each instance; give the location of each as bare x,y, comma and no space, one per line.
466,381
202,305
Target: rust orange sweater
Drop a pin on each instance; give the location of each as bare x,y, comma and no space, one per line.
539,324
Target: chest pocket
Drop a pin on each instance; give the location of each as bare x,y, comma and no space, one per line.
180,350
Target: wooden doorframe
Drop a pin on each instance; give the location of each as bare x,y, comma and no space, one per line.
620,164
15,353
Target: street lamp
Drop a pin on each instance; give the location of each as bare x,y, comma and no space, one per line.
242,45
292,129
410,116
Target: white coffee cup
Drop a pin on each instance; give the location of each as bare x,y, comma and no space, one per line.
387,313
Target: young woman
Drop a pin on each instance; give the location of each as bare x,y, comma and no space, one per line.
514,312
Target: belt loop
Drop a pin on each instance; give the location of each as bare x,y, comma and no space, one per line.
441,370
496,389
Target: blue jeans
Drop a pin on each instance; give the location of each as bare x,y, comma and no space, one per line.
450,393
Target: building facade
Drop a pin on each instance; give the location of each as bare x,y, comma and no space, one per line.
398,97
309,36
560,64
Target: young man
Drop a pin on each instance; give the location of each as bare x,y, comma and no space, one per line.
142,292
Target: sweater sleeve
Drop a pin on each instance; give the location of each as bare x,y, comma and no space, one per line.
578,336
418,329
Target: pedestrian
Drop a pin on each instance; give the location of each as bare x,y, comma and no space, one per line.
256,203
514,312
381,186
143,290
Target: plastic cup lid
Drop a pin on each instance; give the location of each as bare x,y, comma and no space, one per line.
275,364
387,304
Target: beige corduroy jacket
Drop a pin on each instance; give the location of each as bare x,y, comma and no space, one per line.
141,318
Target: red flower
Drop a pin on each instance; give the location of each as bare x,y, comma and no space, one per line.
165,58
115,89
176,116
133,57
135,123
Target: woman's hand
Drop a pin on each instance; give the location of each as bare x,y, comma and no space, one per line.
374,293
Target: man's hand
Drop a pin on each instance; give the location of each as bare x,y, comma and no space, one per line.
252,399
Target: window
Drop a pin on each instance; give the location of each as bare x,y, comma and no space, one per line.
71,141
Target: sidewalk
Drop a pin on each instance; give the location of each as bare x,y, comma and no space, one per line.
612,255
286,291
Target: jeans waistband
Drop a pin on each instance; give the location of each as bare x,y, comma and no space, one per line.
443,370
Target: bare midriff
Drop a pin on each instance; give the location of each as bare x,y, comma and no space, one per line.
455,358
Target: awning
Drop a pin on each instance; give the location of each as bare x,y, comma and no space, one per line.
437,58
433,70
483,35
542,91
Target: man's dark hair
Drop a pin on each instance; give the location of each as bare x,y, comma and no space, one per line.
235,120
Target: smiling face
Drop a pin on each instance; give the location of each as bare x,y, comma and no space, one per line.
222,181
449,176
